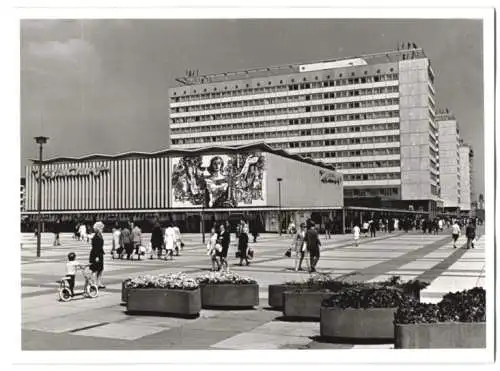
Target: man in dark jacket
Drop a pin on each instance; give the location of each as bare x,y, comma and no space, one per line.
470,233
157,239
313,244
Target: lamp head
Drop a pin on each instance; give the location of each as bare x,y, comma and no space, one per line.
279,179
41,139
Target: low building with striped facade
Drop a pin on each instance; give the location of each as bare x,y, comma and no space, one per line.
184,186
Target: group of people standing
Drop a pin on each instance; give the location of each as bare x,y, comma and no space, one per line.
220,240
306,245
128,241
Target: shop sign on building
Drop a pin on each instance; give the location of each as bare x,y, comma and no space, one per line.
71,172
330,177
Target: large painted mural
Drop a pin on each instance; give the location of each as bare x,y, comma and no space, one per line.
219,181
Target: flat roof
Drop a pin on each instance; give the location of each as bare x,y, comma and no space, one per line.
194,78
178,152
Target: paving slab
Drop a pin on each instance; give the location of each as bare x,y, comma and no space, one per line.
256,340
123,331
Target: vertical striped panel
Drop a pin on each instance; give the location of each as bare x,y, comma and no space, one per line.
121,172
153,182
86,205
97,184
27,190
31,185
107,187
92,181
162,182
133,178
75,193
114,187
129,181
44,191
58,190
149,184
138,184
66,194
142,183
125,183
159,183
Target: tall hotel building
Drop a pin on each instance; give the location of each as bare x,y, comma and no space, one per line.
449,160
466,169
372,117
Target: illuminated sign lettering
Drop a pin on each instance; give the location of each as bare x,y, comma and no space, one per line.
72,172
330,177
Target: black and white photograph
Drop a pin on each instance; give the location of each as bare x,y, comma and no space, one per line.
256,181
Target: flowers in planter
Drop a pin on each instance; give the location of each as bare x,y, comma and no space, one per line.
225,278
329,283
175,281
367,297
464,306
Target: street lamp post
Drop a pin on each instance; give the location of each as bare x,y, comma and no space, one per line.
41,141
203,217
279,204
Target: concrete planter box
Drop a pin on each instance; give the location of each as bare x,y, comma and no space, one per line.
165,301
445,335
275,295
229,295
304,304
124,292
354,323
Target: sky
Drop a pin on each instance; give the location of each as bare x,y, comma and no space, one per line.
101,86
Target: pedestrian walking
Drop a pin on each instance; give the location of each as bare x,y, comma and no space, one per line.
312,244
115,242
365,229
356,231
214,250
83,232
126,244
224,241
57,231
96,258
455,233
169,238
328,228
157,240
243,245
470,233
300,248
137,239
179,245
373,229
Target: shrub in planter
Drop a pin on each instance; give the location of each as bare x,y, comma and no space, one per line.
304,297
361,313
228,289
168,294
457,321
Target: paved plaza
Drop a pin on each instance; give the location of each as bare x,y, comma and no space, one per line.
103,324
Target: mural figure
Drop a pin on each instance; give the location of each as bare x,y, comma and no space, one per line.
188,180
219,181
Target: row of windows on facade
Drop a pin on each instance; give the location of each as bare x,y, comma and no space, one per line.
367,164
288,110
229,91
371,192
215,126
289,133
304,143
383,176
288,99
346,153
299,110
